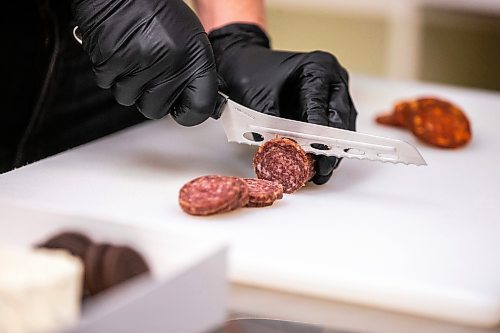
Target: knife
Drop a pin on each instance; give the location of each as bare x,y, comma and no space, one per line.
247,126
244,125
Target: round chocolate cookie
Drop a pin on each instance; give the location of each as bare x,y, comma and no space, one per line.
121,263
93,263
282,160
213,194
74,242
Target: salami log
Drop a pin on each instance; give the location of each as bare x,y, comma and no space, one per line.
213,194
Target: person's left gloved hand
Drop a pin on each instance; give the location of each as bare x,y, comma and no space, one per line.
311,87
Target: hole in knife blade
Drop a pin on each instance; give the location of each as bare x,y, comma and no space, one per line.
320,146
389,157
354,151
253,136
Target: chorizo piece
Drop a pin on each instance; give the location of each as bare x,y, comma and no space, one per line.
434,121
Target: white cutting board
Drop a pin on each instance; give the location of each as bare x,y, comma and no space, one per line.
423,240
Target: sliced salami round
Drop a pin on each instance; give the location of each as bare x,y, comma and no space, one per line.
213,194
283,161
263,192
241,200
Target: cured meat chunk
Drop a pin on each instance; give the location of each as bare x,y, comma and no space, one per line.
398,117
440,123
432,120
213,194
263,192
311,160
283,161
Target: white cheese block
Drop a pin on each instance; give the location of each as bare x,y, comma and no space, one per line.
40,290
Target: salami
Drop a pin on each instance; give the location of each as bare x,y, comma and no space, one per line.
311,160
283,161
263,192
432,120
213,194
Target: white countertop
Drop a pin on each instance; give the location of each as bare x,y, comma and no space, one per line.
422,240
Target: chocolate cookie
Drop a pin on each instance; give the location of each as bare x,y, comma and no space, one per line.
94,263
121,263
105,265
74,242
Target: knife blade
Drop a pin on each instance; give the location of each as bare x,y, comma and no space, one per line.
247,126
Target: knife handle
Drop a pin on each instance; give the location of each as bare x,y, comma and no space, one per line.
219,105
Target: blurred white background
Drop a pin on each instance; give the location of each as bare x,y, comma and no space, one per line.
449,41
454,42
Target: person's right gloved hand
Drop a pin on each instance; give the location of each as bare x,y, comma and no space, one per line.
152,53
312,87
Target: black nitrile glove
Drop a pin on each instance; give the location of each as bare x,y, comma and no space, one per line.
310,87
154,53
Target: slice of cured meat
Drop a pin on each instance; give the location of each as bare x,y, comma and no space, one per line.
400,115
213,194
432,120
283,161
241,200
263,192
311,160
440,123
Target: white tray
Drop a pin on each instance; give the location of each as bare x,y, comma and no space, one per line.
187,293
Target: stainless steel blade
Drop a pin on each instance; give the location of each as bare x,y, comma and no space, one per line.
244,125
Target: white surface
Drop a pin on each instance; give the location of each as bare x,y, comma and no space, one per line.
187,291
424,240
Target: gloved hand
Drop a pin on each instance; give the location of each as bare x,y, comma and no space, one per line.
154,53
310,87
